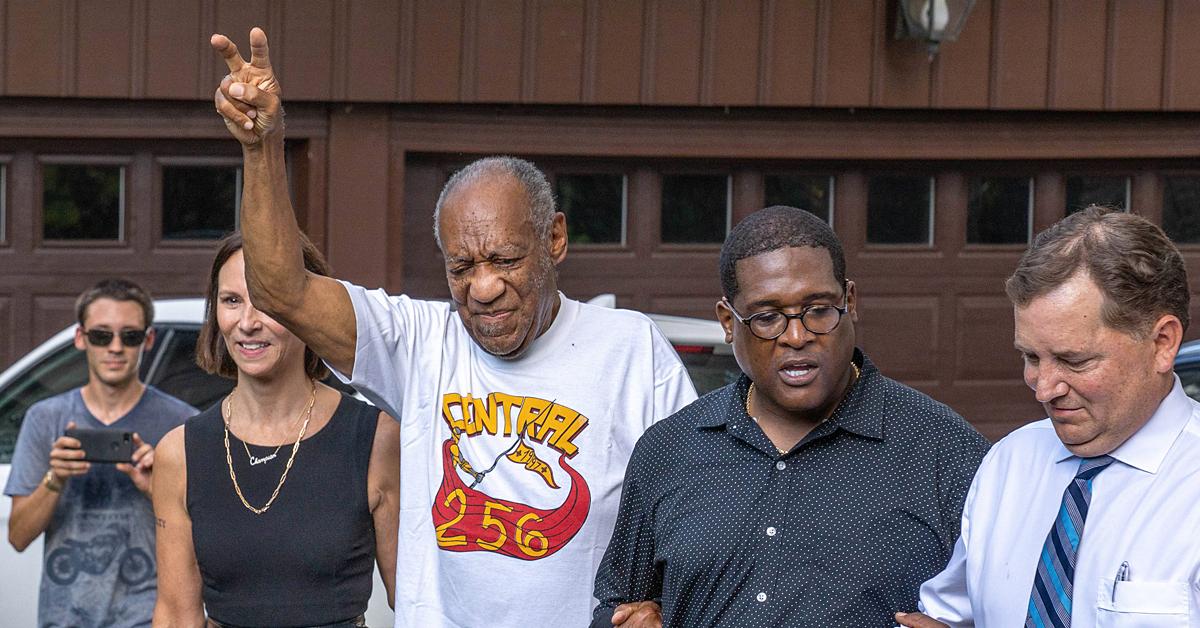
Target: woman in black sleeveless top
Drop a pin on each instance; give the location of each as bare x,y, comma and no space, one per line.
272,504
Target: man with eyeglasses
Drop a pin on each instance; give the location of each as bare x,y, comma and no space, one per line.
99,567
812,491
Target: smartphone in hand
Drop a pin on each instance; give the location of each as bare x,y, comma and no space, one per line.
102,445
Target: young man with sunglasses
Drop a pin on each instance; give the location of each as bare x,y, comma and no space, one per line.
99,567
812,491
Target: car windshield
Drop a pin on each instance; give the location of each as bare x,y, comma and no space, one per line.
1190,378
709,370
62,370
173,370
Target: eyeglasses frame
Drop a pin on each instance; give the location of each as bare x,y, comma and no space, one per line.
124,335
845,307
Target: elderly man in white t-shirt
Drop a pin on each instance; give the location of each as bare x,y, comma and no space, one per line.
519,407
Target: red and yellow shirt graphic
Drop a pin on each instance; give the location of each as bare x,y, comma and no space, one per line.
467,518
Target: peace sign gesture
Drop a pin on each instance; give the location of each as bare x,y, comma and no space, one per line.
248,97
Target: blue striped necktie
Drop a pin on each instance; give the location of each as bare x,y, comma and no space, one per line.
1050,600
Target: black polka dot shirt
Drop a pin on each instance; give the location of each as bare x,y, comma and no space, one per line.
723,530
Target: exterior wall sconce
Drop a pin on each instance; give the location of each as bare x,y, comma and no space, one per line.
932,21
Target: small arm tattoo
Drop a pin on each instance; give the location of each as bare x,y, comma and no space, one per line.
162,523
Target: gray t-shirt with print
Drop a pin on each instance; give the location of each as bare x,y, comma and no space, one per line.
99,567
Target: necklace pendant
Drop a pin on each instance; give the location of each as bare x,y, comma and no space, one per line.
264,459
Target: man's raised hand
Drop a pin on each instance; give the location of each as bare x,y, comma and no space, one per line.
248,97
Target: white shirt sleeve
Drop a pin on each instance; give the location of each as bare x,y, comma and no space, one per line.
388,328
945,597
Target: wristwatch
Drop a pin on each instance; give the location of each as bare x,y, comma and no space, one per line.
52,484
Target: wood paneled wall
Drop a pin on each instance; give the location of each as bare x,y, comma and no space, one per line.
1113,55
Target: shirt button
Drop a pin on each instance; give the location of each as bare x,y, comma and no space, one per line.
761,597
771,531
781,465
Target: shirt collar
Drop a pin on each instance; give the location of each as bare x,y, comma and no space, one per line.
850,415
735,405
1148,446
853,413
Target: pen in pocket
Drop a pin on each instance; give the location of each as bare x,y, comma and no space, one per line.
1122,576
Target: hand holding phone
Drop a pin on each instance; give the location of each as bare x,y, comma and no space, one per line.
103,445
141,466
66,458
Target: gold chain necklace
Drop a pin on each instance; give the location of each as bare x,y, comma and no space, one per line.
295,448
254,460
853,380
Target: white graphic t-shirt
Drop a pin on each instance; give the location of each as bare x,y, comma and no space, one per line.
510,470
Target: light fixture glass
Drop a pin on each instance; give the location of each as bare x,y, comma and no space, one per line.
932,21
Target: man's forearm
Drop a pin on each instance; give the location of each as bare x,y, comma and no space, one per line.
31,515
275,272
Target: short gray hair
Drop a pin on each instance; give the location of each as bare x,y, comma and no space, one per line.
537,190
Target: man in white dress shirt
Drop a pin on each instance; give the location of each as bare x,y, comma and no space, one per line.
1090,517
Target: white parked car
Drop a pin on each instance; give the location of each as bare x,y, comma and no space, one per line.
56,366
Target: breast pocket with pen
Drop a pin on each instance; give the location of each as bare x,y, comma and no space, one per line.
1144,604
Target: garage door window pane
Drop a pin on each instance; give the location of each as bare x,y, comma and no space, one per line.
899,210
1181,208
200,202
695,208
998,210
1083,191
594,205
810,193
82,202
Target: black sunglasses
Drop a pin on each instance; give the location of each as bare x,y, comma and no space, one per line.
104,337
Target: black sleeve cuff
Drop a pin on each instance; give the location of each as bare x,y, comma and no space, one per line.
602,618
